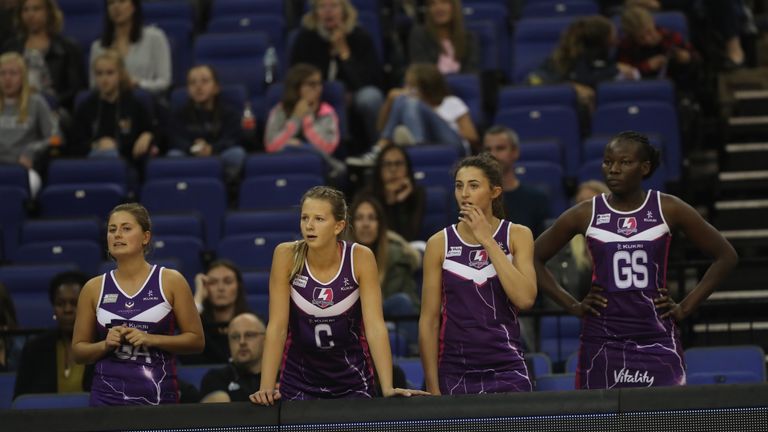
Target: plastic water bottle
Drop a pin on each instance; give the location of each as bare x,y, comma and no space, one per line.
248,121
55,140
270,65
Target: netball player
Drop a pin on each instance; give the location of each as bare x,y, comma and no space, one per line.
127,320
477,274
629,334
324,313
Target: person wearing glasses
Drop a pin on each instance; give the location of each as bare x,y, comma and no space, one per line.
242,376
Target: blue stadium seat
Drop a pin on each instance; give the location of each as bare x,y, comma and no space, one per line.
541,150
51,401
80,200
45,230
725,364
540,363
271,192
486,33
82,22
439,155
240,7
193,374
547,177
88,171
369,21
436,211
660,90
179,33
206,197
435,176
498,16
184,168
12,214
14,175
256,282
7,382
534,40
533,123
276,164
673,20
87,255
414,372
258,222
31,278
467,88
556,382
559,336
520,96
560,9
184,224
259,304
572,364
168,9
34,310
646,117
186,249
251,252
592,170
237,57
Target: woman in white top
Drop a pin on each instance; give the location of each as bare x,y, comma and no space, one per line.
425,112
145,50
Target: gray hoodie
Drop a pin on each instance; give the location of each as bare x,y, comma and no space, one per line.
29,138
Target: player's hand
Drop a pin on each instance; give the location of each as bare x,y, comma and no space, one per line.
138,338
673,308
401,392
265,397
592,302
114,338
476,222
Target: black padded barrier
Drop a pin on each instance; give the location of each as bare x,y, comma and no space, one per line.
718,408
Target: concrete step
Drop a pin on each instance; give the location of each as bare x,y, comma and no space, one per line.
741,214
745,156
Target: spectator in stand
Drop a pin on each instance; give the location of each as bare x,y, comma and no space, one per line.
584,57
7,322
47,364
54,62
219,296
111,122
144,49
523,204
242,376
655,51
331,40
206,126
443,40
26,121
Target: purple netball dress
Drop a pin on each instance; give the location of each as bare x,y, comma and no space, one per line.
131,375
629,345
480,335
326,355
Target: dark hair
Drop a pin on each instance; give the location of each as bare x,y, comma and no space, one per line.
646,151
339,210
378,183
492,171
65,278
54,18
241,305
7,309
588,37
430,82
293,81
381,245
512,136
458,33
137,24
190,113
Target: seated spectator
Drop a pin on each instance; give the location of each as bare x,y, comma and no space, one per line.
7,322
144,49
395,188
47,364
111,122
523,204
331,40
655,51
396,260
443,40
424,112
55,63
584,58
206,126
572,265
242,376
220,296
25,119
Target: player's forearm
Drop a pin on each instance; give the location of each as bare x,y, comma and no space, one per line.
183,343
520,290
274,344
89,352
428,331
378,339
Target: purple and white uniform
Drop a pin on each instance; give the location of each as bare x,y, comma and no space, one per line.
129,375
479,349
326,354
629,345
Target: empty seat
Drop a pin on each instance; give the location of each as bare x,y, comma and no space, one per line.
184,168
185,224
12,215
275,192
46,230
251,252
279,164
539,363
7,382
31,278
467,88
438,176
34,310
540,150
635,91
572,364
439,155
556,382
522,96
559,9
237,57
256,282
51,401
186,249
559,336
88,171
85,254
725,364
193,374
547,177
414,372
266,221
534,40
259,304
239,7
14,175
436,211
80,200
